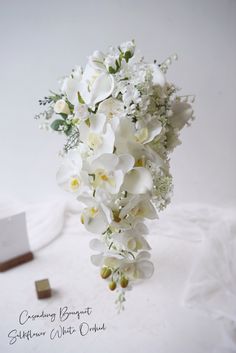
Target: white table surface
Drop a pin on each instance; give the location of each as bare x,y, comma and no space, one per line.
154,319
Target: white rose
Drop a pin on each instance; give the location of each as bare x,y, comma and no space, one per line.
61,107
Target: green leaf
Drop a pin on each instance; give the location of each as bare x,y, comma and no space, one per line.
56,124
69,130
64,116
111,70
80,99
128,55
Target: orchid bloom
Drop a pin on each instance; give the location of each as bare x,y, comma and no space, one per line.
97,135
70,175
108,171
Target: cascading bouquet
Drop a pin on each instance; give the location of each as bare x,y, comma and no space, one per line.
121,119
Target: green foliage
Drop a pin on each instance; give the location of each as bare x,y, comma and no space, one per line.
58,124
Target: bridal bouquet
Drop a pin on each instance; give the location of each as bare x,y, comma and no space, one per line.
121,118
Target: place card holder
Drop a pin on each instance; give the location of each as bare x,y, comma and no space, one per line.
14,242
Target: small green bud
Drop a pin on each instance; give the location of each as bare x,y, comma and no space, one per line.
105,272
124,282
112,285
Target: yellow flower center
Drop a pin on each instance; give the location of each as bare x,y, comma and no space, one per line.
140,162
102,176
93,211
74,184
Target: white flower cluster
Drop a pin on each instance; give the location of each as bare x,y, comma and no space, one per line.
122,119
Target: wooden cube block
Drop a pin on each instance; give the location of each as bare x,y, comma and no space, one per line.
43,289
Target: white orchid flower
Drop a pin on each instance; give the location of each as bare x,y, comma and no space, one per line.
70,175
71,85
139,206
143,153
105,257
96,85
138,181
139,268
126,132
112,108
109,170
96,216
131,240
99,136
147,131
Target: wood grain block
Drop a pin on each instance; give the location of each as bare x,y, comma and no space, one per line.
43,289
15,261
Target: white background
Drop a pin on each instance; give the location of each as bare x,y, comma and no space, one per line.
43,40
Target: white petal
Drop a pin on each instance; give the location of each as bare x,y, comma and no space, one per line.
138,181
111,107
145,269
141,228
71,88
143,255
144,243
96,244
83,131
111,261
97,259
107,161
126,163
107,145
119,177
124,134
87,200
96,224
74,157
102,88
97,122
149,210
154,128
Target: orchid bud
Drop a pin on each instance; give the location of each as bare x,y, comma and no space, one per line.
105,272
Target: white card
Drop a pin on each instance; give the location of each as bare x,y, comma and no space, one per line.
13,237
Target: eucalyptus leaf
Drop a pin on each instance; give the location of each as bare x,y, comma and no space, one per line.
56,124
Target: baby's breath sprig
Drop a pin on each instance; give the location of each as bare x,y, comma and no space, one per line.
120,301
